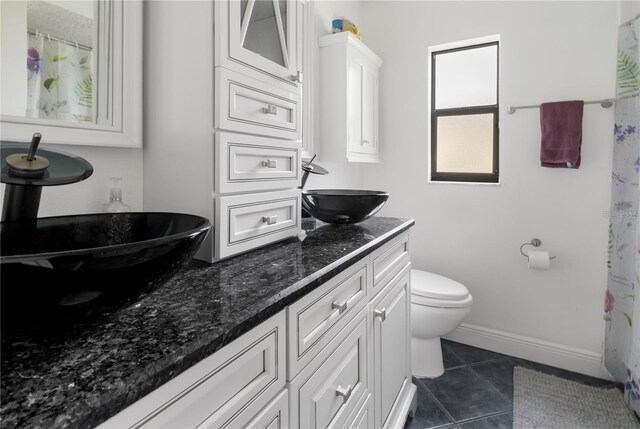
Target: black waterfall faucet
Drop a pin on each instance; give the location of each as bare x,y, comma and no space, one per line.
25,170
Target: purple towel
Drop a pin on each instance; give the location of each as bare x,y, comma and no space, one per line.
561,129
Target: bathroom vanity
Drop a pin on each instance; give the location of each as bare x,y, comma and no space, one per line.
299,334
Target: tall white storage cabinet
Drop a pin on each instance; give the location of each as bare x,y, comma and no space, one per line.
258,123
349,99
223,132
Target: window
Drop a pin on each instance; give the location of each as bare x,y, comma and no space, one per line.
464,113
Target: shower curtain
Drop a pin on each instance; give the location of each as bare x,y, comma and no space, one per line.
622,297
59,80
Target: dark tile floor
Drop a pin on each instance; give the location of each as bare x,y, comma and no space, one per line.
476,389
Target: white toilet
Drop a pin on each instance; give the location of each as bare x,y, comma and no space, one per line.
438,306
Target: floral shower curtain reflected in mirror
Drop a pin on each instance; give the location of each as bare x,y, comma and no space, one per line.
59,80
622,298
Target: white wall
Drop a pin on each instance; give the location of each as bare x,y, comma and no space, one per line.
341,174
92,194
472,233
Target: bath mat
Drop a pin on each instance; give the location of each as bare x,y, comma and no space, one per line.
542,401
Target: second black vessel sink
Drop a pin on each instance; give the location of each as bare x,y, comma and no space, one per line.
343,206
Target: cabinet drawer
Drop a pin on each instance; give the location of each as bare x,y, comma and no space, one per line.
246,373
389,260
274,416
325,309
362,418
252,106
325,397
244,222
249,163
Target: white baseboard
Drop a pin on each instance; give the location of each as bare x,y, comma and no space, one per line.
548,353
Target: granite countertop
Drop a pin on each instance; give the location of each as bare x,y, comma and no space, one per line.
81,377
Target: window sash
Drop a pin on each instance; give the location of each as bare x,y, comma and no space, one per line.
449,176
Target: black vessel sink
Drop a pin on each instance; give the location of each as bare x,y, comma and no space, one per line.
57,268
343,206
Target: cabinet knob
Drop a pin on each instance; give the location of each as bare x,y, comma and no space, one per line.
270,163
270,220
364,142
297,77
382,314
340,307
345,393
270,110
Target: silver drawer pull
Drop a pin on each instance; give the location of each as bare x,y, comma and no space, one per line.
340,307
345,393
382,314
270,110
365,142
270,163
297,77
270,220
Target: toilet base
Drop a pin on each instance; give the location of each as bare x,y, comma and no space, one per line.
426,358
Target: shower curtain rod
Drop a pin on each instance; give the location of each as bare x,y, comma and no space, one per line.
57,39
606,103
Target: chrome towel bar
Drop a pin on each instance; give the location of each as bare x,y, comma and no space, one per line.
606,103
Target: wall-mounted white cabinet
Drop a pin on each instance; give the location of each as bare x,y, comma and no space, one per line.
349,99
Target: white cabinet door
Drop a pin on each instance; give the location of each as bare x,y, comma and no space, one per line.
354,105
391,344
262,35
362,107
369,109
349,99
306,50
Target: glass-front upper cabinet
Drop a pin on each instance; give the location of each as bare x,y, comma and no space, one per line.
262,34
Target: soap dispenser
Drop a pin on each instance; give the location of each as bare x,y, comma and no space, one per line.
115,198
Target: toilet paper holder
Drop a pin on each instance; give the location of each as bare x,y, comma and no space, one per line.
535,242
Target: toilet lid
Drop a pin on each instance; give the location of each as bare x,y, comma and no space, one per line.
434,286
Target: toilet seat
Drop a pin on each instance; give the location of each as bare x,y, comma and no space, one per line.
434,290
441,303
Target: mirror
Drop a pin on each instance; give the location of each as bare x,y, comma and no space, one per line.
68,73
